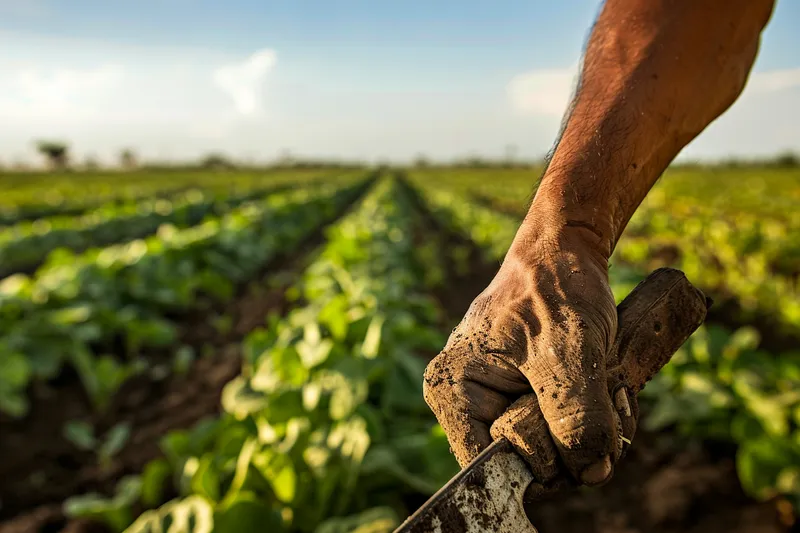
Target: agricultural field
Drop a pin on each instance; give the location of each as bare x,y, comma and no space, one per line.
243,351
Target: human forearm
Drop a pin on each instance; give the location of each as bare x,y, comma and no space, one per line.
655,74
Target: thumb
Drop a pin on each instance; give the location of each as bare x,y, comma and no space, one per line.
524,426
572,391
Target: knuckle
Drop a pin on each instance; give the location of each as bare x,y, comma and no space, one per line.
587,430
438,377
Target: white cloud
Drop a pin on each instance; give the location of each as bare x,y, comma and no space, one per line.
244,81
167,101
542,92
63,91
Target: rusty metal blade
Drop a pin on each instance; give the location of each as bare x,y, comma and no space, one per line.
485,496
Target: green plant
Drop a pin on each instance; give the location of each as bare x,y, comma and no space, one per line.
78,302
720,386
82,435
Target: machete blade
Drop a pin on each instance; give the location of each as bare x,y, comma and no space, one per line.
485,496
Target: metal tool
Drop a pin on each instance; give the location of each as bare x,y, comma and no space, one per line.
489,494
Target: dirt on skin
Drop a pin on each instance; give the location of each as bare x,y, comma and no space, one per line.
40,468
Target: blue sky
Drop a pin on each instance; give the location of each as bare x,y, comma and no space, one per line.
350,78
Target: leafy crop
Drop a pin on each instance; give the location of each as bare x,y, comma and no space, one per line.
28,196
751,257
27,244
76,303
721,386
327,418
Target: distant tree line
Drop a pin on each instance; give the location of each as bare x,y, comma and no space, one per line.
58,158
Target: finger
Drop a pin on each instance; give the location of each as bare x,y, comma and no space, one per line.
574,399
526,429
463,407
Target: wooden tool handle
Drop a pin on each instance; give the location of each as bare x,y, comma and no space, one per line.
655,319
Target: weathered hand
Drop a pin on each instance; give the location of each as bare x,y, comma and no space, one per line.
546,324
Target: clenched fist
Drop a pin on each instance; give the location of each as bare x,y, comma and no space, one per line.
539,337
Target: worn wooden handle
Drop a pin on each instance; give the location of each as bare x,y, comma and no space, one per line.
655,319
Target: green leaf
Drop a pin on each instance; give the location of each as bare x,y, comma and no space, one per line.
206,480
71,315
240,400
115,512
114,441
190,515
334,316
279,471
45,362
98,508
14,403
14,369
372,340
154,477
376,520
761,462
745,427
243,461
314,354
176,445
108,377
182,360
312,393
81,434
247,514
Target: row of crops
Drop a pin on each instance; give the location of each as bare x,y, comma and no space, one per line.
324,428
78,302
33,196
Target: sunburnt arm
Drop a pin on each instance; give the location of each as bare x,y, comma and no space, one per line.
655,74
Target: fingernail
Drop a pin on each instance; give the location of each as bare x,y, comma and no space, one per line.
621,401
598,472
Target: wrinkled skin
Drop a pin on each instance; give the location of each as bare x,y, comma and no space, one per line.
545,324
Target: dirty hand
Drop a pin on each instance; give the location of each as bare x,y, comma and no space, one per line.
545,325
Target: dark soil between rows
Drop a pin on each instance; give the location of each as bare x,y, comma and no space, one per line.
663,485
40,468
